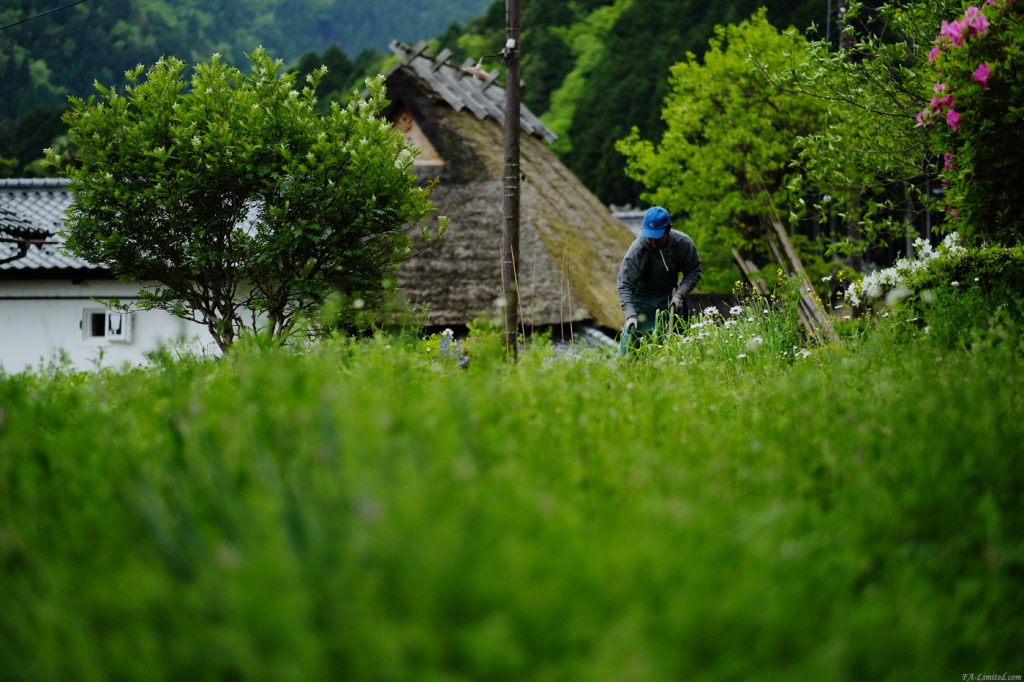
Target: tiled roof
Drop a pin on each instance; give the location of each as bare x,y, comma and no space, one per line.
460,90
33,209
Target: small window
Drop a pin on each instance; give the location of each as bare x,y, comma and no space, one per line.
415,137
106,324
97,324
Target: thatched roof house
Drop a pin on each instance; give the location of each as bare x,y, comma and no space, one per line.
570,244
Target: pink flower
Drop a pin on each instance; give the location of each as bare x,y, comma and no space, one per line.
953,213
954,32
982,73
939,88
947,161
933,54
923,116
944,102
953,119
974,22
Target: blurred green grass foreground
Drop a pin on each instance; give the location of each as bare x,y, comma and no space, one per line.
374,510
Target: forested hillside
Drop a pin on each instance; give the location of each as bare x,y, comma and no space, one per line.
44,60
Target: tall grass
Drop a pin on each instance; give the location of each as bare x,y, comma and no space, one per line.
372,510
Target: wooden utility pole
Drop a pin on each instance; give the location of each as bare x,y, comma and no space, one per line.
845,40
510,203
828,23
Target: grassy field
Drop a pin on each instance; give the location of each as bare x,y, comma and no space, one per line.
373,510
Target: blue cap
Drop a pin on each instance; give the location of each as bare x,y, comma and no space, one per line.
656,223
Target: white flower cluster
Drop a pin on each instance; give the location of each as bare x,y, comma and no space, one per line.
889,281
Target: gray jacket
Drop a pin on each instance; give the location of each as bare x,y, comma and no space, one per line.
649,277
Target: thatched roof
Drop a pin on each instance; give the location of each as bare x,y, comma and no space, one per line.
570,244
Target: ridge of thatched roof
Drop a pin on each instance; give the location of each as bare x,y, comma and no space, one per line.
461,90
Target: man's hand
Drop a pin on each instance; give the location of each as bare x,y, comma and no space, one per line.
631,323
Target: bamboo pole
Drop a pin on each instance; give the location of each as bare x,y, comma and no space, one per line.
747,268
817,318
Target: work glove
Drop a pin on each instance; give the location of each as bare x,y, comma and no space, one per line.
677,306
631,323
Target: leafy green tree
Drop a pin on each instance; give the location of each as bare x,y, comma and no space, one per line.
481,36
630,79
728,149
230,192
550,53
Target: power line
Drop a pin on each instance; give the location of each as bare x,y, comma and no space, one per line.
49,11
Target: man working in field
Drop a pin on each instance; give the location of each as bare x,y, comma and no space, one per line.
648,278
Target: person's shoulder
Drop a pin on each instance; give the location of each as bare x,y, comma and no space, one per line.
636,246
681,237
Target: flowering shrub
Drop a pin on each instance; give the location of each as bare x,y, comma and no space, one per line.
446,348
959,297
971,298
757,330
893,282
976,114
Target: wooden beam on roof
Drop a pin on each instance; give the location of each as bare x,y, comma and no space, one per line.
462,92
416,50
441,58
490,79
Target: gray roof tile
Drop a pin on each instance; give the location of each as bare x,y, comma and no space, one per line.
37,205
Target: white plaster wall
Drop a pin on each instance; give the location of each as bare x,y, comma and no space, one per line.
39,319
